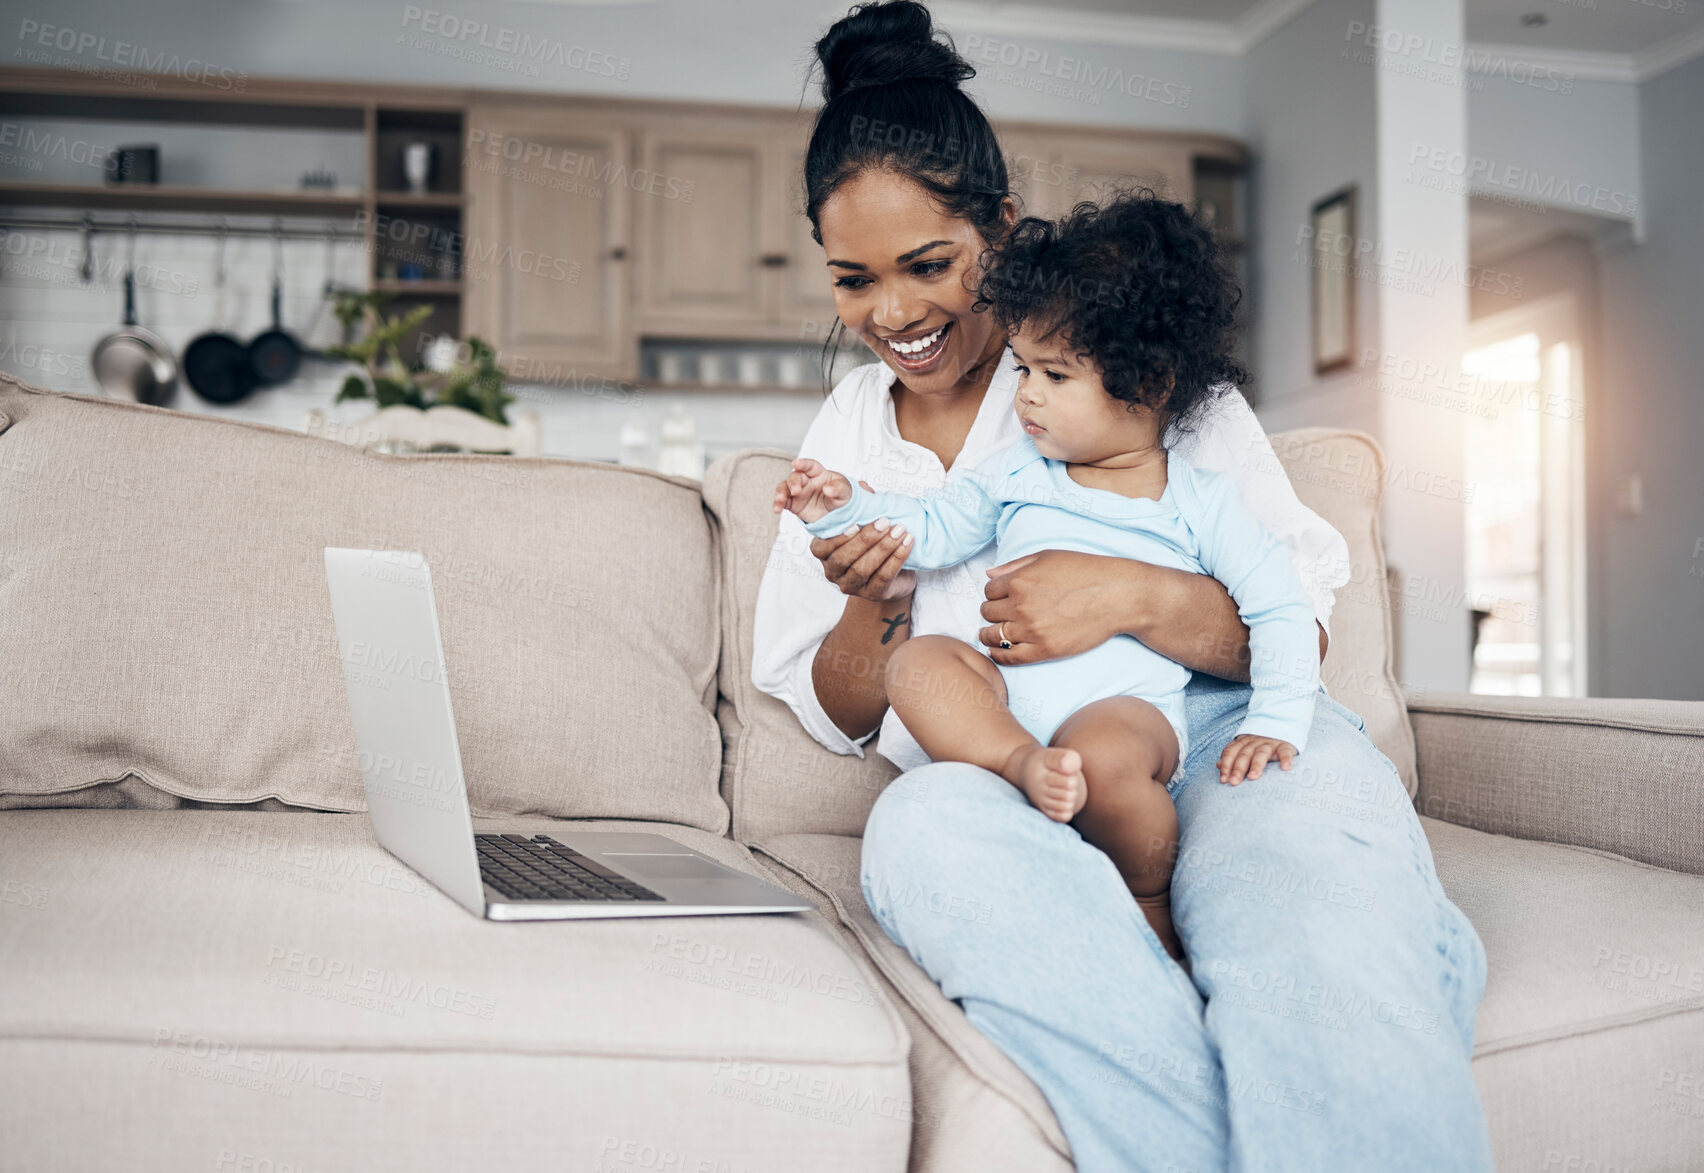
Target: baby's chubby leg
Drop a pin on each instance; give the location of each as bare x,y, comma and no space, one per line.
953,700
1129,751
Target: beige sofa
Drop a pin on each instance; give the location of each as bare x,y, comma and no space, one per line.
209,964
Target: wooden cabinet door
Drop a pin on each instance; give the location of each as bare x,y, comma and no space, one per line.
806,294
1033,171
705,249
545,263
1092,169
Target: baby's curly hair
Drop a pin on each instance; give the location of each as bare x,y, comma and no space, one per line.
1137,284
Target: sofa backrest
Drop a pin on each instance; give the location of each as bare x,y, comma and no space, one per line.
166,632
1340,475
777,780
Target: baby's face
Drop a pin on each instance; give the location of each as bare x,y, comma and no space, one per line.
1064,407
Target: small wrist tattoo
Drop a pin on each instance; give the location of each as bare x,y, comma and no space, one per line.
903,619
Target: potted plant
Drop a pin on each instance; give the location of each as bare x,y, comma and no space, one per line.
473,382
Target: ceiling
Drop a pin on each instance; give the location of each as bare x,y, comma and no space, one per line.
1607,26
1621,27
1223,11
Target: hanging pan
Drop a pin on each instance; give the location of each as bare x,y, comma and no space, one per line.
274,355
130,362
217,363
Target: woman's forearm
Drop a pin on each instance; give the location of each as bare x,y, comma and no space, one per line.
1187,617
1190,618
850,665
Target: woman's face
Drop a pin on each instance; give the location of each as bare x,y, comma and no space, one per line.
904,274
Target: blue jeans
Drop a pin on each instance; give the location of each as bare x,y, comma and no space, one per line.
1329,1020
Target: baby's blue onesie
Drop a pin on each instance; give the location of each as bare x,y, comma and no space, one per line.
1029,503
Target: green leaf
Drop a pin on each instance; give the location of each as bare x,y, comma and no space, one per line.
354,387
390,392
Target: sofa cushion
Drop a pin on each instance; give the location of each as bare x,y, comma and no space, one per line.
166,616
775,777
778,780
973,1107
1589,1044
277,984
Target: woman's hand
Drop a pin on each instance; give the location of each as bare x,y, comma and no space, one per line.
868,563
1061,603
1055,604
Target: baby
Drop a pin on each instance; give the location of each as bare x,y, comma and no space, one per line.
1094,739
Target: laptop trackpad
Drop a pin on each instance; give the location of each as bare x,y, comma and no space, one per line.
663,867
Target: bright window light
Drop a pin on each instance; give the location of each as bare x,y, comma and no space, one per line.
1514,360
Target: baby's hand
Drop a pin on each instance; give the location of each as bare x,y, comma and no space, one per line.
811,490
1248,754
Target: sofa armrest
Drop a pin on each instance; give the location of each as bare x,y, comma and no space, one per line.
1624,776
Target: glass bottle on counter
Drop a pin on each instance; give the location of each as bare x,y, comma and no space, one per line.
679,453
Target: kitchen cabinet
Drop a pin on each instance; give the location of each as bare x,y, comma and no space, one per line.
695,227
707,249
1054,172
1096,167
725,252
548,255
1033,170
807,294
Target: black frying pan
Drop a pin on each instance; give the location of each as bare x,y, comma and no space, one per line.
216,363
274,355
130,362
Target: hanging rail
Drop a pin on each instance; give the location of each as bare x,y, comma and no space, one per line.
201,226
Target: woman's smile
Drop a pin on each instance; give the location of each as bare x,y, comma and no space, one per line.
903,272
918,353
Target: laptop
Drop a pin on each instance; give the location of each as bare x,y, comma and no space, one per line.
405,735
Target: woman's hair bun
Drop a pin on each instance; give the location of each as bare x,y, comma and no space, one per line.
885,42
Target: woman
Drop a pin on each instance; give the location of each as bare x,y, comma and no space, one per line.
1327,1019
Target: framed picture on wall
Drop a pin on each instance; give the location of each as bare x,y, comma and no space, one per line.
1332,263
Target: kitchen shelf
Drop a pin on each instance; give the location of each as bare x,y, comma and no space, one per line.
653,387
144,197
35,96
423,288
434,199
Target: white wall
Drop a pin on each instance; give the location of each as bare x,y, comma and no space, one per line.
1420,255
1574,146
1650,407
1312,129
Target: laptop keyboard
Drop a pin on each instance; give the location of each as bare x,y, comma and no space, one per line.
540,868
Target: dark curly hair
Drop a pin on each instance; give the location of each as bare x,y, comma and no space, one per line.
1138,285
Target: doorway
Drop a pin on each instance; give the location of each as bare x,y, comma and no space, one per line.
1526,510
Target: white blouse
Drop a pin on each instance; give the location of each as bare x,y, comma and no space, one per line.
855,433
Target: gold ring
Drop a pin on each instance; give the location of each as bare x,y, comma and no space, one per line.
1004,642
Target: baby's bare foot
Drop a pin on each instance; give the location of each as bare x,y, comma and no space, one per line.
1051,777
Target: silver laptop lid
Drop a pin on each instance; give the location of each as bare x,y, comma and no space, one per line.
399,703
